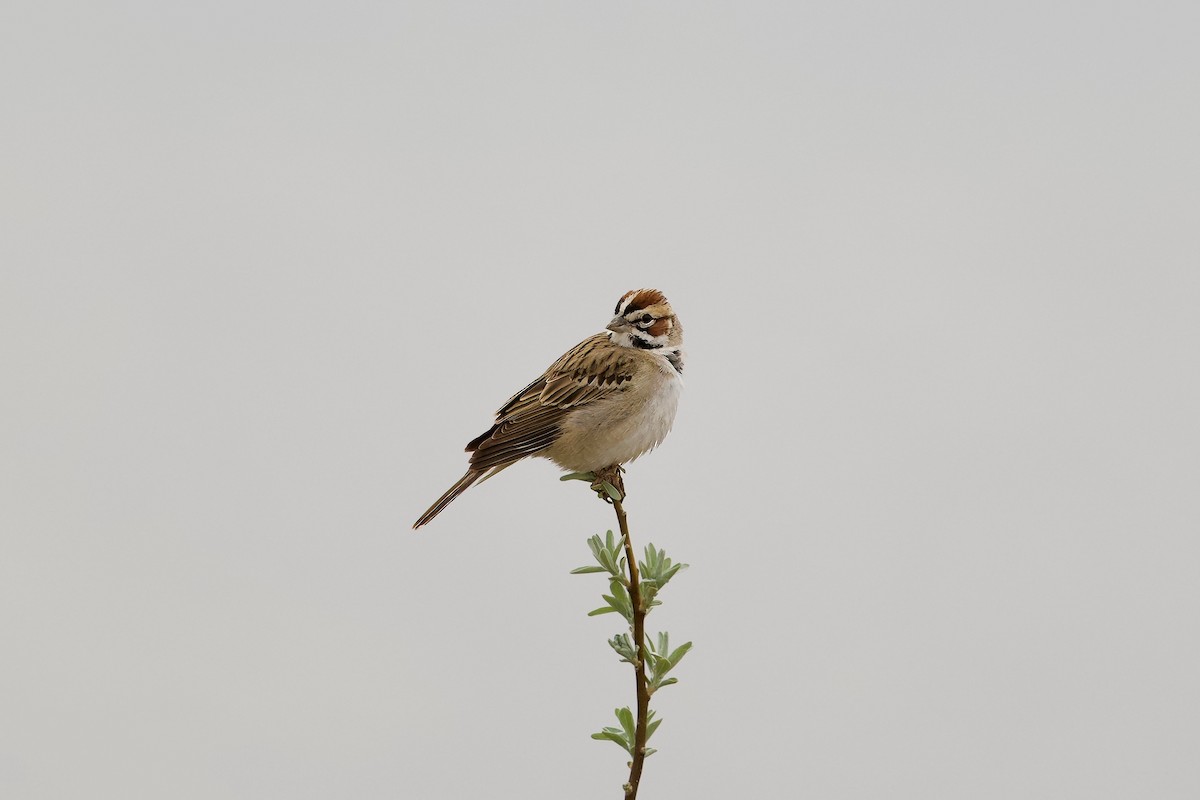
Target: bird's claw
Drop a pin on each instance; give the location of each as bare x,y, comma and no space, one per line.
608,485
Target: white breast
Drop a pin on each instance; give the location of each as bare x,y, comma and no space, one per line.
619,428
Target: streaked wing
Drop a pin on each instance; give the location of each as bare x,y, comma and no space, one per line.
592,370
530,421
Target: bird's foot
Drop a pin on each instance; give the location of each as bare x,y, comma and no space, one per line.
608,484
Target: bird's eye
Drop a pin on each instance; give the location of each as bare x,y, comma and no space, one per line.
647,319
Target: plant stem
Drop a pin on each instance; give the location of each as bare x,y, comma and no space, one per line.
639,669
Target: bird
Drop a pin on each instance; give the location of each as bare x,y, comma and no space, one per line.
605,402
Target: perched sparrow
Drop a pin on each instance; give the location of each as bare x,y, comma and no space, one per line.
608,400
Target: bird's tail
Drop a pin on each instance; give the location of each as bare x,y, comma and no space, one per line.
454,491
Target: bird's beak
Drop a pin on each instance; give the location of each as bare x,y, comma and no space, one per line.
618,325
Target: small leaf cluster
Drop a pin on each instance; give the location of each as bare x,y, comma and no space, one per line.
609,552
655,571
625,735
661,659
610,555
624,647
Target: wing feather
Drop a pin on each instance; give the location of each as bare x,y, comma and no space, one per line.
531,419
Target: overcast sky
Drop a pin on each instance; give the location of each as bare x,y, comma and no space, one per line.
266,267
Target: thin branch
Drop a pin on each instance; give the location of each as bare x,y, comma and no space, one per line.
639,638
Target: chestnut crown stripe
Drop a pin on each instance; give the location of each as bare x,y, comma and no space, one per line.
639,299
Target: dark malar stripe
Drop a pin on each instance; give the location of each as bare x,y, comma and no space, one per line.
642,344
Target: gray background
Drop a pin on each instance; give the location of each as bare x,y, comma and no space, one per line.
268,266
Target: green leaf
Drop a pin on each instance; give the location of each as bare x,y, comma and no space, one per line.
679,652
670,573
585,570
611,491
605,610
578,476
620,593
651,726
654,557
657,567
625,716
619,600
649,751
613,735
624,647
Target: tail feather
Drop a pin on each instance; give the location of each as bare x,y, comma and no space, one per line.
454,491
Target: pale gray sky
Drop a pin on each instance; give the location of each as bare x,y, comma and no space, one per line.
268,266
